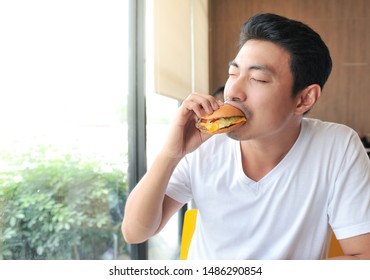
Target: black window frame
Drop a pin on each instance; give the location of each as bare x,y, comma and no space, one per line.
136,107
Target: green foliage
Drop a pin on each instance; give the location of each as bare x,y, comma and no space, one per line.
59,205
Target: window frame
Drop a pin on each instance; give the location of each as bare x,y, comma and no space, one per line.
136,107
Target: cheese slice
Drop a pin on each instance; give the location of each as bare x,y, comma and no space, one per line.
221,123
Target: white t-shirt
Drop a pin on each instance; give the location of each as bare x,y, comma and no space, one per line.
323,182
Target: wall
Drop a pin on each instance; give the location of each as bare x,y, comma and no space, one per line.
344,26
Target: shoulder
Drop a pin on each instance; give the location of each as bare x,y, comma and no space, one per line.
331,137
325,126
327,131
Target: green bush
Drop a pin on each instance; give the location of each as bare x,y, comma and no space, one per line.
60,206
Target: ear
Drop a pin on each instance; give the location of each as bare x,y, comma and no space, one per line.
307,98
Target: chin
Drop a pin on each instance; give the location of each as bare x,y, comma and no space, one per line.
235,136
238,134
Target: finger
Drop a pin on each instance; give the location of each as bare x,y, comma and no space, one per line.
202,104
196,107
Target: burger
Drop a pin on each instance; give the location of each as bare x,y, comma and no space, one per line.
223,120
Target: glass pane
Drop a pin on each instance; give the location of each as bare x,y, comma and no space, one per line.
164,245
63,144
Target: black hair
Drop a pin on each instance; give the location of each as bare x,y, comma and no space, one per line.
310,57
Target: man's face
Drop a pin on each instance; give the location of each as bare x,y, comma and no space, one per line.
260,84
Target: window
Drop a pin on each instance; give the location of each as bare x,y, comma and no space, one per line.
164,245
63,144
70,72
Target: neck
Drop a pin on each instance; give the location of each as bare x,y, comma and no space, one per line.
260,156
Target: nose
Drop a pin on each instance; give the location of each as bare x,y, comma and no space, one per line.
235,91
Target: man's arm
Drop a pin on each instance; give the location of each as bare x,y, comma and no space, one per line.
148,209
355,248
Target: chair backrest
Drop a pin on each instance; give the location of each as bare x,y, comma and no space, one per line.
190,219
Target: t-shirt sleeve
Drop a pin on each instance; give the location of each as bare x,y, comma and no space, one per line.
349,207
179,187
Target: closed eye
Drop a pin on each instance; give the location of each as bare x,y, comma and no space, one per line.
259,80
233,68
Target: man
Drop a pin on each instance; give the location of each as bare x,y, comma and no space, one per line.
274,187
219,93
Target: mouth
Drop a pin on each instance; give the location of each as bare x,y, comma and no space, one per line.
241,108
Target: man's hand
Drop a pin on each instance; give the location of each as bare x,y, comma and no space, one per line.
183,136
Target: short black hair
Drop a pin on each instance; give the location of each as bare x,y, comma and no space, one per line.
310,57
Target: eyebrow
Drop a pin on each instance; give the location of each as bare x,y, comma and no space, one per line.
233,63
260,67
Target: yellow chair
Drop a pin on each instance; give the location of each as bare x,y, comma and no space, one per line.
188,228
334,249
190,219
